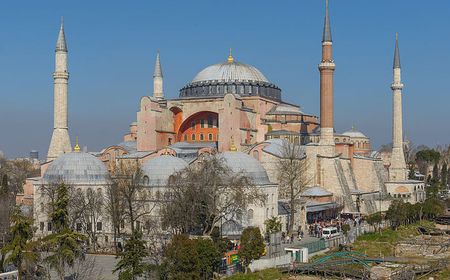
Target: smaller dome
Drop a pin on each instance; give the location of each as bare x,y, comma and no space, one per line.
249,166
353,133
159,169
77,168
316,191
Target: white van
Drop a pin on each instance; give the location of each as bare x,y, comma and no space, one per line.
330,232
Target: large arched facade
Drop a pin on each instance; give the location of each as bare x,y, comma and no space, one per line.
200,127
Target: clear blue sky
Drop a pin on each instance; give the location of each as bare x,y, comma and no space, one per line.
112,46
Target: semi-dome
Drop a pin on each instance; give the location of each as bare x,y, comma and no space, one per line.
353,133
243,163
158,170
230,77
230,72
77,168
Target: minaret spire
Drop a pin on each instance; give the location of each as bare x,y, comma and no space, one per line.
326,68
61,44
158,79
60,142
326,26
397,169
396,53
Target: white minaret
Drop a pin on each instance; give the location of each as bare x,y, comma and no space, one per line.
397,170
158,79
60,142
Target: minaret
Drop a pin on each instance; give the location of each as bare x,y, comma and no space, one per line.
158,79
326,68
397,170
60,142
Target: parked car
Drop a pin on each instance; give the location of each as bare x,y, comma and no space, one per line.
330,232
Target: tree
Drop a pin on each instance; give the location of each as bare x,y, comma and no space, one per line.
432,207
293,177
87,209
375,220
396,214
345,229
252,246
128,178
425,157
131,264
20,250
200,196
444,175
273,225
63,243
186,258
114,207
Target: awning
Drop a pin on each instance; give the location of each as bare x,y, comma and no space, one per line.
322,207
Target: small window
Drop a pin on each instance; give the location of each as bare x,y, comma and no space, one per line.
210,137
49,227
106,238
185,137
146,180
169,141
201,137
41,226
202,123
210,122
99,226
193,137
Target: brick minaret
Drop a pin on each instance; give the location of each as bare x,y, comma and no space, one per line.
158,79
326,68
397,170
60,142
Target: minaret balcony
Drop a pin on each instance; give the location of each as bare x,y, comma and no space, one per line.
60,75
397,86
327,65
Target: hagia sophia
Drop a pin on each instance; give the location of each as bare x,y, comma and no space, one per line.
232,110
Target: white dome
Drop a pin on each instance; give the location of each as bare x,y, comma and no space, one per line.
353,133
230,72
77,168
249,166
159,169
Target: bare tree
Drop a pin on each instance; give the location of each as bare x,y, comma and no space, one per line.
292,166
200,196
128,179
87,208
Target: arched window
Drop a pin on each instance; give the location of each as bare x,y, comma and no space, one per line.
201,137
250,214
145,180
210,137
185,137
193,137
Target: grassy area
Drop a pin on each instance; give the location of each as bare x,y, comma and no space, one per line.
382,244
267,274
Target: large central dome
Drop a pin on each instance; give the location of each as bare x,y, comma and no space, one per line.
230,72
230,77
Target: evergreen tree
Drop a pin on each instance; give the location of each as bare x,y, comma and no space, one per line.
19,250
252,246
444,175
435,177
131,264
64,243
